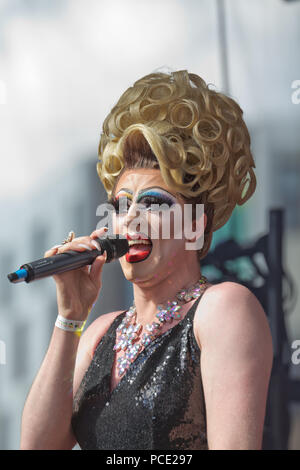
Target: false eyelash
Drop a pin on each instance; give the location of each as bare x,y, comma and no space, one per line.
149,200
146,201
115,203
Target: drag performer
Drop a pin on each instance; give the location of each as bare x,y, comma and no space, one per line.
187,365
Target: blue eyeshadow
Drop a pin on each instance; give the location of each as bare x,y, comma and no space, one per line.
161,196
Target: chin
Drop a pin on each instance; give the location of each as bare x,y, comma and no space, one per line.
136,272
147,272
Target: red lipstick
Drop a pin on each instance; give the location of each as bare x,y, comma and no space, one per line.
140,247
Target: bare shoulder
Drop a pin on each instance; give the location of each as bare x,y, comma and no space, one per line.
96,330
232,330
228,307
88,343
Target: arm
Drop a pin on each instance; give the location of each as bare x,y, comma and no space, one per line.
46,420
89,343
236,363
48,409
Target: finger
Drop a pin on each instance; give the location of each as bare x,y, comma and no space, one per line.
96,245
96,269
60,277
77,246
52,251
86,242
99,232
85,246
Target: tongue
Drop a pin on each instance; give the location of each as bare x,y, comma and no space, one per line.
138,252
139,248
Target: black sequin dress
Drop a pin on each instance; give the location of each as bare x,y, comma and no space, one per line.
158,403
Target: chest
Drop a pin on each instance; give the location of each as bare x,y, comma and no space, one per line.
159,405
115,378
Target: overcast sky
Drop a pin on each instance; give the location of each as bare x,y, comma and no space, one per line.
64,63
64,67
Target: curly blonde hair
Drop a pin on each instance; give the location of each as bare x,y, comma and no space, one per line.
196,137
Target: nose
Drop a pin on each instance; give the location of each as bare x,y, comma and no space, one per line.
131,214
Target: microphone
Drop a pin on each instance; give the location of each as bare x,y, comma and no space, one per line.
61,262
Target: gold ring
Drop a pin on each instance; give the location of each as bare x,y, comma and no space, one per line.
69,238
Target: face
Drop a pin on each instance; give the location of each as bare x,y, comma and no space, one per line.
144,207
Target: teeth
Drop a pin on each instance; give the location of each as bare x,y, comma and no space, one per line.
138,242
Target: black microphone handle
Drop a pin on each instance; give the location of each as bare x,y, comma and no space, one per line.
69,260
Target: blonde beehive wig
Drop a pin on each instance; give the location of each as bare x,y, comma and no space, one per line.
197,137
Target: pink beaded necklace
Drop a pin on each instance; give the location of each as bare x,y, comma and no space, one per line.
128,333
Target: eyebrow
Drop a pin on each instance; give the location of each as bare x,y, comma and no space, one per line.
124,190
145,190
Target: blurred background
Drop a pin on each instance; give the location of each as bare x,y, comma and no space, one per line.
63,65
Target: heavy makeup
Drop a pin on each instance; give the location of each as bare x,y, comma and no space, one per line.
152,257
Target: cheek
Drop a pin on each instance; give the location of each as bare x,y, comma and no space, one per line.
169,254
167,225
154,223
118,223
114,221
158,225
115,224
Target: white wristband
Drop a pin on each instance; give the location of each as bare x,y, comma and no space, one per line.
69,325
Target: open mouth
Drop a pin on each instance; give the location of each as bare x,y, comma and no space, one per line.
140,248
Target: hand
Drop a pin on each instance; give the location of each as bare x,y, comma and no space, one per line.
78,290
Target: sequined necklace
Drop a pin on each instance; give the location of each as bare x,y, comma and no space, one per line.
128,333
